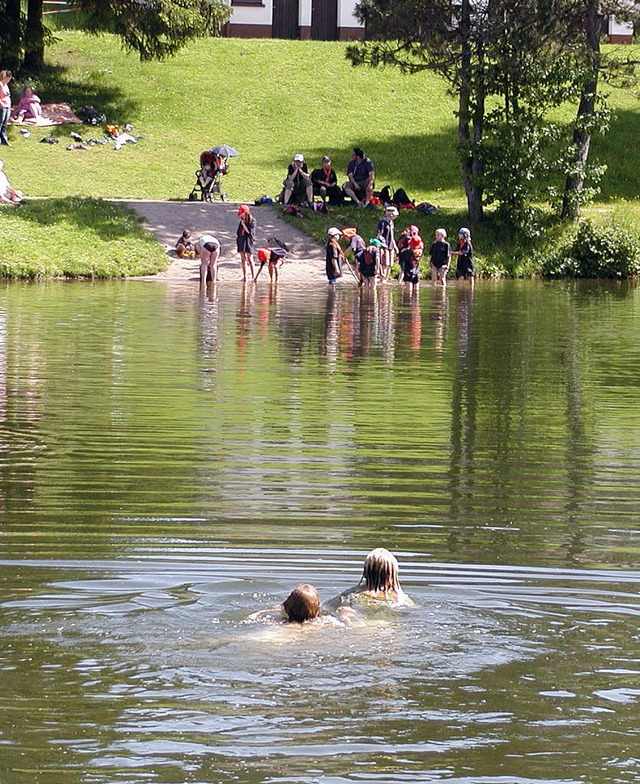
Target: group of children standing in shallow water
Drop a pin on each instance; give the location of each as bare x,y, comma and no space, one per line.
373,259
379,583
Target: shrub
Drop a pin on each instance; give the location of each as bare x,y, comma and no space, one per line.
596,252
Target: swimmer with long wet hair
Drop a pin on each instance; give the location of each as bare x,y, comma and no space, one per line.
379,581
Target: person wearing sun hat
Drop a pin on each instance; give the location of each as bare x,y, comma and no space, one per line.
464,267
246,239
334,255
297,180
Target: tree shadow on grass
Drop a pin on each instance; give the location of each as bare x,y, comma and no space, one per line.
109,100
619,151
105,220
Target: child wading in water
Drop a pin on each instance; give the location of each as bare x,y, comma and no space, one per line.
464,267
440,252
274,257
387,240
334,255
369,267
410,255
246,238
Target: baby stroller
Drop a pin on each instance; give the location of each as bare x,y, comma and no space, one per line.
209,177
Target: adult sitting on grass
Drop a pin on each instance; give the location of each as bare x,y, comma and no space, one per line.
8,195
360,178
325,183
297,184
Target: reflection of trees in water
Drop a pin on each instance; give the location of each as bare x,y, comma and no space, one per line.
463,414
580,447
518,392
20,437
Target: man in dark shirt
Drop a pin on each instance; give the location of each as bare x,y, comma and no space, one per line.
325,182
360,178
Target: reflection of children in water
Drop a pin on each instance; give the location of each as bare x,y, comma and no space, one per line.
439,317
244,319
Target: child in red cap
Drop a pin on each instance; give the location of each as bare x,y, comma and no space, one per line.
246,239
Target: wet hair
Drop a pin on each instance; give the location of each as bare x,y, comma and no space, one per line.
380,571
359,152
302,604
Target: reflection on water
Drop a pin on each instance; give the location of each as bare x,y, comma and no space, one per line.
170,464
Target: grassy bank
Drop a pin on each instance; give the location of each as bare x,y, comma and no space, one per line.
270,99
75,237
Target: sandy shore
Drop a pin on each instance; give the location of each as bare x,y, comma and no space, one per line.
167,220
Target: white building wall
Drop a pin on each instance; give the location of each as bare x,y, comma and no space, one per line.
304,13
252,14
346,14
617,28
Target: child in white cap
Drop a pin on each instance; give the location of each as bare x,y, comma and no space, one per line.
334,255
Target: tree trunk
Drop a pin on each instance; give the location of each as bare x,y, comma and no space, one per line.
12,56
34,36
470,164
586,109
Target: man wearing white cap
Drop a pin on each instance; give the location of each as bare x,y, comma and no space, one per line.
298,180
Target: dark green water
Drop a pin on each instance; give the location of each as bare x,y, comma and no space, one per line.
169,465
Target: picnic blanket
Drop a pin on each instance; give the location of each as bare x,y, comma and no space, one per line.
52,114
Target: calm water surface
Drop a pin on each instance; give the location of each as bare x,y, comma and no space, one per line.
169,465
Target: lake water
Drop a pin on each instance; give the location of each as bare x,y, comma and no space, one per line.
170,464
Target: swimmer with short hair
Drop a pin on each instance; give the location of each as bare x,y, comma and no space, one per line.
302,604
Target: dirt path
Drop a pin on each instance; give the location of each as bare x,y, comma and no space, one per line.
167,220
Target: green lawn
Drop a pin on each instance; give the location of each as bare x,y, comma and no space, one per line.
75,237
270,99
